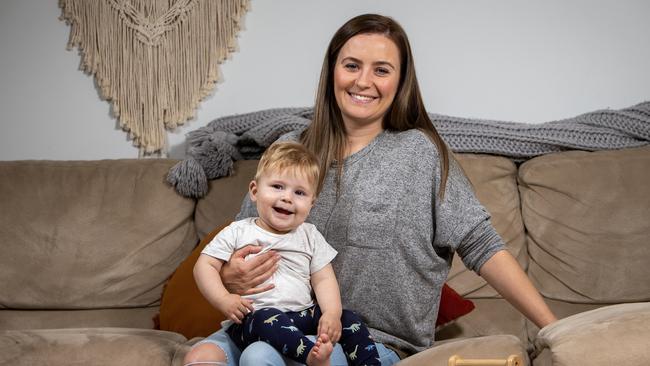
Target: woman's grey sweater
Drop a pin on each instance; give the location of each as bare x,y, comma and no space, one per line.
395,237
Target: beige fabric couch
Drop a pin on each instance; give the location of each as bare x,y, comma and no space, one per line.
87,247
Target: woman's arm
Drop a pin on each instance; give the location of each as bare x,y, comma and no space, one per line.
328,296
206,275
503,273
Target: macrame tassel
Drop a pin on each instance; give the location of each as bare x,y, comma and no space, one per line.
154,60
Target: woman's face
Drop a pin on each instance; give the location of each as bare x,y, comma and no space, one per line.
366,77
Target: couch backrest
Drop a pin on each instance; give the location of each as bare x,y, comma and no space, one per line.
223,201
495,182
88,235
587,216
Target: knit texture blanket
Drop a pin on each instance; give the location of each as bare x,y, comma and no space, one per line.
213,149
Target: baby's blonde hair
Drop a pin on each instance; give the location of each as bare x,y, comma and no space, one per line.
287,155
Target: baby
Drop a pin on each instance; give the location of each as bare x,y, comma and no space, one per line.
284,190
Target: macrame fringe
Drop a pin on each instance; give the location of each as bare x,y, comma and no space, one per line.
154,60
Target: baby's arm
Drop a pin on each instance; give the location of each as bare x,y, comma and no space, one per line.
328,296
206,274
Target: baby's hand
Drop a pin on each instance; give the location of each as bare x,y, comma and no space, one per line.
235,307
330,324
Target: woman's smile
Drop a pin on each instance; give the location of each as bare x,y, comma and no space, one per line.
362,99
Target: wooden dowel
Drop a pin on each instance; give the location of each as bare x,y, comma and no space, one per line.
513,360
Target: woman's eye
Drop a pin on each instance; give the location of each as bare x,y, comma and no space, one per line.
351,66
382,71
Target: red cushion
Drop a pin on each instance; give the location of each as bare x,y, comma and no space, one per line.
452,306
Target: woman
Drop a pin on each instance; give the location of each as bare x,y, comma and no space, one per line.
394,202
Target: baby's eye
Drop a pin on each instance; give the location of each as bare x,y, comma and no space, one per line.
276,186
301,193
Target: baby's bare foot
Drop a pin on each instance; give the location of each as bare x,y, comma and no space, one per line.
320,353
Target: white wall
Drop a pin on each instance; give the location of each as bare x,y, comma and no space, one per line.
527,61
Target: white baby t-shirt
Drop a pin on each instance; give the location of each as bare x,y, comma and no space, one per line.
302,251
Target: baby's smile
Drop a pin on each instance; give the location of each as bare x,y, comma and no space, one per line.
282,211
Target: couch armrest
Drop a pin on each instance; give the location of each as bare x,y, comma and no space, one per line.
611,335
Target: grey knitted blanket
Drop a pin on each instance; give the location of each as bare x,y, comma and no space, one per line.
213,149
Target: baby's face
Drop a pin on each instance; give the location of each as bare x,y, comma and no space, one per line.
283,200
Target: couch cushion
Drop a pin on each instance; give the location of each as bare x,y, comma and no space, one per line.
490,316
100,346
223,201
90,234
491,347
91,318
611,335
183,308
495,183
587,215
561,309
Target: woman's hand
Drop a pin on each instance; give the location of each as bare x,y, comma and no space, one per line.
330,324
242,277
235,307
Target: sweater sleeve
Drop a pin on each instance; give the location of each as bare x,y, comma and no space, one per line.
247,209
462,223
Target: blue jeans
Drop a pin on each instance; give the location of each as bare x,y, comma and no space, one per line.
263,354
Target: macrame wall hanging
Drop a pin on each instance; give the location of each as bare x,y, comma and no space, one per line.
154,60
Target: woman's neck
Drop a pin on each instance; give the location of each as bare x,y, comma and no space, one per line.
359,137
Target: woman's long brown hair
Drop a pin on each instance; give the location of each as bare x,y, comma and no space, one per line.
326,135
